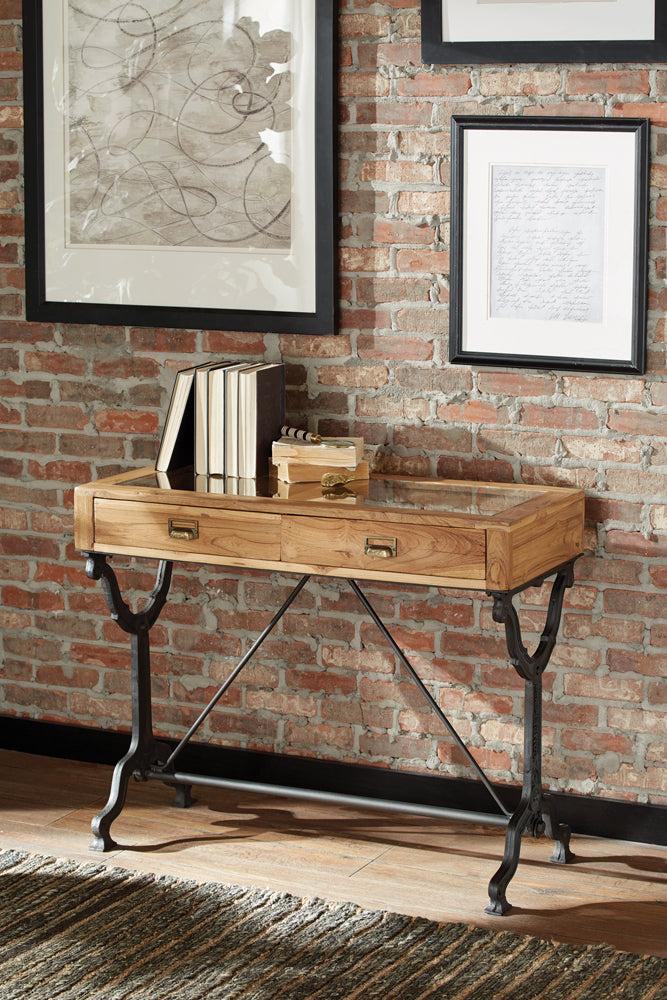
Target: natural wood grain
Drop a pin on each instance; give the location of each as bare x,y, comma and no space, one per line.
485,546
615,892
457,552
240,534
84,519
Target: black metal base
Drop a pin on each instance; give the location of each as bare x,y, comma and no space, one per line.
148,758
535,813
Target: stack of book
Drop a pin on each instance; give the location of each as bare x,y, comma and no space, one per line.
323,461
223,418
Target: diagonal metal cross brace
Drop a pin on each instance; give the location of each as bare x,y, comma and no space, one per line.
234,674
429,697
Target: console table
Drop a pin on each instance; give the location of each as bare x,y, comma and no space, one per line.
496,538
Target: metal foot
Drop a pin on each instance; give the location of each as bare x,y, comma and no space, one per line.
498,902
101,824
558,832
183,797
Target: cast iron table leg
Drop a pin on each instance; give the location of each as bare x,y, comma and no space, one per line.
144,750
535,812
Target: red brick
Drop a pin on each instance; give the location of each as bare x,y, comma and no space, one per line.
474,411
127,422
608,82
390,54
66,472
322,680
320,736
630,661
626,390
401,348
424,144
423,261
364,319
12,519
558,417
39,600
363,376
388,112
392,747
569,109
398,231
477,469
10,225
396,172
433,439
356,84
450,84
56,416
520,385
381,289
656,113
364,258
46,700
633,543
584,627
359,24
517,442
545,475
634,720
177,341
374,660
603,688
657,693
495,84
596,742
454,615
225,342
29,545
602,449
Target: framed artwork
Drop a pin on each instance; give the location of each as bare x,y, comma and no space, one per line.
543,31
549,242
180,163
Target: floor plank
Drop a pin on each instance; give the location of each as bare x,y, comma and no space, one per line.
614,892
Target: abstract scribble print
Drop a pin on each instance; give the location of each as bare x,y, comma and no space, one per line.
179,125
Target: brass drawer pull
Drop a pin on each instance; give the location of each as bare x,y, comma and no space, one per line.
182,529
380,548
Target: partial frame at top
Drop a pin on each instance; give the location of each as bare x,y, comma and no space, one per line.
541,31
180,164
549,254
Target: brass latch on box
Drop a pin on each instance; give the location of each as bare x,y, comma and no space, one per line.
380,548
183,529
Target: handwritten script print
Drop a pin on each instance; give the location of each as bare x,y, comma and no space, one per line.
547,243
178,126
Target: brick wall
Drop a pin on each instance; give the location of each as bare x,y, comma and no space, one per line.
79,401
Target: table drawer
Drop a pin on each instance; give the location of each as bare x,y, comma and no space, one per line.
184,531
385,547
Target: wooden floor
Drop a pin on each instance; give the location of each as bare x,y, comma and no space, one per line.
615,892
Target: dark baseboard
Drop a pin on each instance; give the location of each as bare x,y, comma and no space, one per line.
585,815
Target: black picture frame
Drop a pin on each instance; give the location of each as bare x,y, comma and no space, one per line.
320,315
436,51
606,332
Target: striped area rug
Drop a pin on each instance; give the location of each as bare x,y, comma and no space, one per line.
73,931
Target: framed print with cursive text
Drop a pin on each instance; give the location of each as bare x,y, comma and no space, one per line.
549,242
180,163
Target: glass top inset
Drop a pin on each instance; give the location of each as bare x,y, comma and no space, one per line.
449,498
